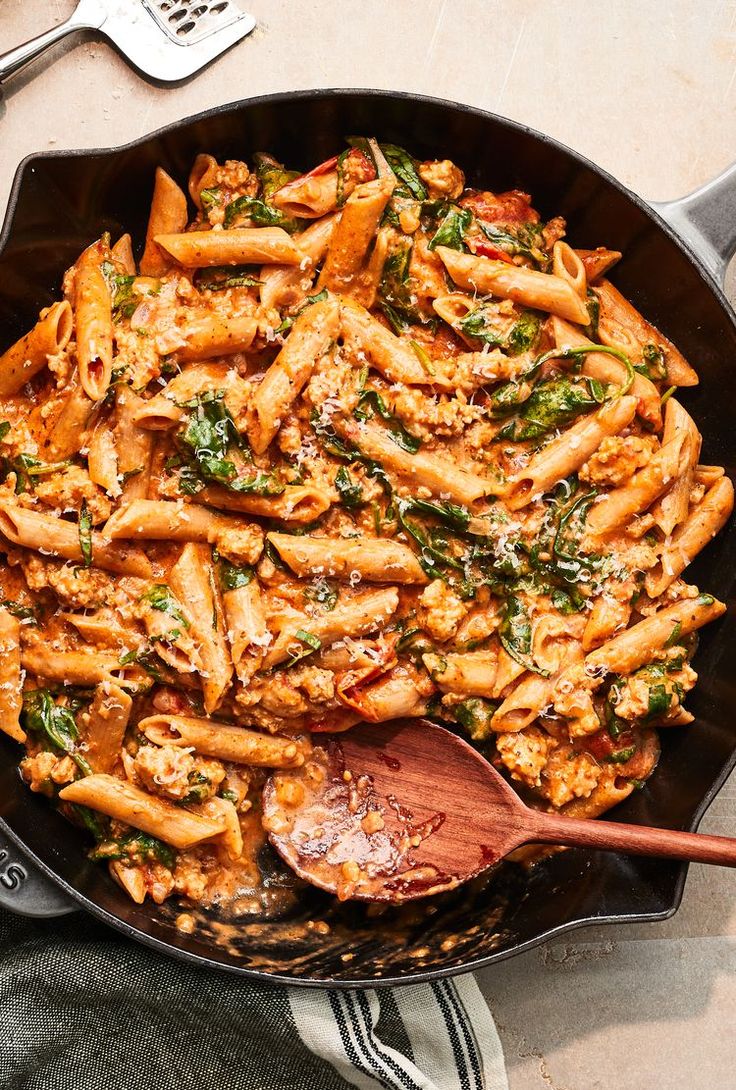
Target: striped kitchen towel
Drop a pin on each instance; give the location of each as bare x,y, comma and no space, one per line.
82,1008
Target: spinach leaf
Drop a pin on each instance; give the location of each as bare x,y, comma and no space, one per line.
523,333
120,286
17,609
652,364
394,293
552,405
515,634
323,592
271,174
434,555
522,241
232,577
451,232
27,468
210,198
621,756
566,561
371,402
159,597
660,699
55,723
220,277
205,442
4,428
414,643
257,211
311,643
567,602
351,494
453,515
145,658
135,848
483,323
85,534
476,715
404,167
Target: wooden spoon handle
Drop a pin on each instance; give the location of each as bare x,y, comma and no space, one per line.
634,839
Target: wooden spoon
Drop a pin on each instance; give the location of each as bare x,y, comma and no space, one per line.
395,811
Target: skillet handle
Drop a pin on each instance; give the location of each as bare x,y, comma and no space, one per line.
24,889
706,219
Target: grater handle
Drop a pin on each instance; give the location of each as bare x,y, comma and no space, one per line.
89,15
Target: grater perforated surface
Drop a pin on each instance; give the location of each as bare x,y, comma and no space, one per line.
187,22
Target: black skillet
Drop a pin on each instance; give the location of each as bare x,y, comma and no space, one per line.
60,201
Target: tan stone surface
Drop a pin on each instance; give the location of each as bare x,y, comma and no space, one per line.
647,88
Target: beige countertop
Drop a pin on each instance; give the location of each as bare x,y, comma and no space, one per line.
648,90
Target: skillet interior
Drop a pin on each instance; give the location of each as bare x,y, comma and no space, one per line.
61,201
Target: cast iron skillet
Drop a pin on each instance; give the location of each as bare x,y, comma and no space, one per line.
60,201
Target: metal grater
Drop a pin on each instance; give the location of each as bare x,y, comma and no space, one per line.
166,39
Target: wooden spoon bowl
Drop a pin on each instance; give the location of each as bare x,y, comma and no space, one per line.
400,810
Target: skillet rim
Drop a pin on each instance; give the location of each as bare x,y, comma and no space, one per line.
709,282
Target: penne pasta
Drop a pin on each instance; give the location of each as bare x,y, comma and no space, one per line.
209,334
168,216
364,613
640,643
314,331
213,739
697,531
439,475
55,537
133,446
122,255
30,354
673,507
65,434
380,561
567,265
567,453
85,668
471,673
619,506
168,520
543,291
104,725
93,322
288,285
165,410
193,581
388,354
348,254
240,246
297,503
247,627
617,315
608,369
598,262
124,802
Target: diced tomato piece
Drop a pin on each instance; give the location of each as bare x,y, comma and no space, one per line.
487,249
321,168
601,745
510,207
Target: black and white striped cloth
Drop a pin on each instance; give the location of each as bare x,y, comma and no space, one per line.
449,1039
82,1008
